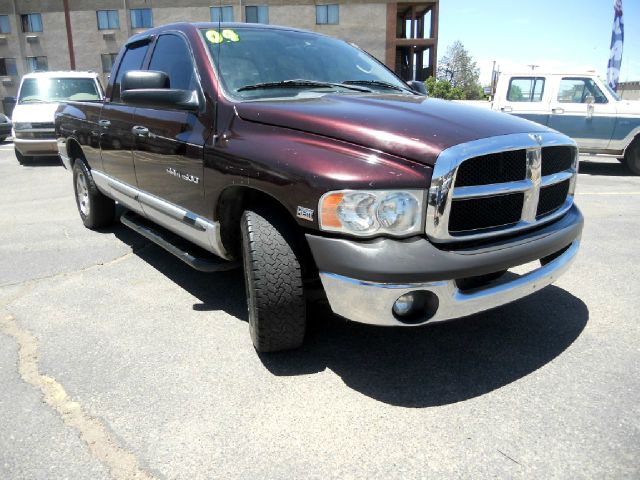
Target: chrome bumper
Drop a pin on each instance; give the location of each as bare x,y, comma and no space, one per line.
372,303
33,148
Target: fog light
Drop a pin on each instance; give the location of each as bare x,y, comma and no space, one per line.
404,305
415,307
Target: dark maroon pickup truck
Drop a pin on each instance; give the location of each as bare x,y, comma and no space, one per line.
308,162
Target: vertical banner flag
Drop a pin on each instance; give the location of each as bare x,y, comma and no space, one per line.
617,39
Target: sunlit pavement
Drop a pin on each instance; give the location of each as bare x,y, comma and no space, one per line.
116,360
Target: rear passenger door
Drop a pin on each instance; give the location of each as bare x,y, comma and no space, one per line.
527,97
168,153
116,120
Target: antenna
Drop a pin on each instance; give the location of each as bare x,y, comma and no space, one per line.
220,10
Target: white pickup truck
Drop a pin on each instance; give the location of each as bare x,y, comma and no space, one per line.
577,104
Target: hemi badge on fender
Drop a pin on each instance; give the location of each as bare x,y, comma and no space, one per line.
305,213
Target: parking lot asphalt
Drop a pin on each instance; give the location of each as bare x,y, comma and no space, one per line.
118,361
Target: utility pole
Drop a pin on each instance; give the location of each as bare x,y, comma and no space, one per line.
67,22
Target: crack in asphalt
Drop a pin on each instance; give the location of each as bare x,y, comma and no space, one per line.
101,443
80,270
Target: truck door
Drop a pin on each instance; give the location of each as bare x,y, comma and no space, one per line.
169,148
116,121
582,111
526,97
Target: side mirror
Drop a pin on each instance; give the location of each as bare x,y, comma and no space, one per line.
144,79
417,86
590,101
151,89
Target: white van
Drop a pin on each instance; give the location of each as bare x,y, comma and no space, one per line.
38,98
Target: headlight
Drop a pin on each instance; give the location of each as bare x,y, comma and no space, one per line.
21,126
372,212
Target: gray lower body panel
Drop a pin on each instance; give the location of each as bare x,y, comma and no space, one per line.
188,225
362,280
372,303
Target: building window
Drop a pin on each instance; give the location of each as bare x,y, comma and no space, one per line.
5,26
37,64
108,60
8,67
31,22
141,18
256,14
327,14
222,14
108,20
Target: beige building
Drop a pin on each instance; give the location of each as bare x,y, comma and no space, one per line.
86,35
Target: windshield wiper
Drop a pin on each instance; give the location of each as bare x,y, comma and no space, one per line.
33,100
375,83
300,83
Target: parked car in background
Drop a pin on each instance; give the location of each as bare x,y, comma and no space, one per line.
38,98
5,127
577,104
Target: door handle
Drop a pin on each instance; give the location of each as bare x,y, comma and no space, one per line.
557,110
140,131
507,109
104,123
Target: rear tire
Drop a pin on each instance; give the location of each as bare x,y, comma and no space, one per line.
96,210
632,157
273,280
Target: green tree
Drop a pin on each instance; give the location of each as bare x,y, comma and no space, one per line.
458,67
442,89
515,93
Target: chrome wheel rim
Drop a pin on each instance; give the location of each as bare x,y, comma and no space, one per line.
82,194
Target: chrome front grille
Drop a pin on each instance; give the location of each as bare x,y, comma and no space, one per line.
500,185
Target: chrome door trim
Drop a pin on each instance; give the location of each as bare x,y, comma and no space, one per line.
195,228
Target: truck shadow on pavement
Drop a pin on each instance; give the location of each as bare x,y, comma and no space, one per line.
411,367
43,162
440,364
215,291
604,169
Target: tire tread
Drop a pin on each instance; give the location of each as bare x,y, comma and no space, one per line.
276,278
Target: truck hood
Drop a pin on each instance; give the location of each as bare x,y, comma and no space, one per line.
412,127
34,112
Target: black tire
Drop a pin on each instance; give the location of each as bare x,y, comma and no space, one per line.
273,280
96,210
632,157
21,158
2,139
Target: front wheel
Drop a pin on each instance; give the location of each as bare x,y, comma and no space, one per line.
273,279
96,210
632,157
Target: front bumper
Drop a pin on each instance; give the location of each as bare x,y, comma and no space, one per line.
363,280
34,148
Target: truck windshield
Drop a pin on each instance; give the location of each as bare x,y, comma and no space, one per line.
50,90
255,63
